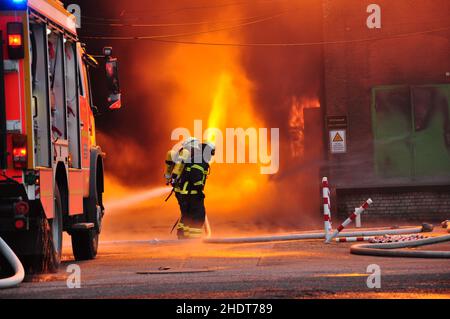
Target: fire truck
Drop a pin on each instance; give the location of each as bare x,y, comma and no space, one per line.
51,167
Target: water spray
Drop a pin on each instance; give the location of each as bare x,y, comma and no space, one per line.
138,198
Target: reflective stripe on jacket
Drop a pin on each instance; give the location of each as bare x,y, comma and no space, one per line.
193,179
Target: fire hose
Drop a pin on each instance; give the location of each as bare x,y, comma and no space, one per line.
394,249
314,235
19,272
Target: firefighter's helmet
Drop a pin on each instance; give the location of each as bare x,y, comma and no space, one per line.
191,142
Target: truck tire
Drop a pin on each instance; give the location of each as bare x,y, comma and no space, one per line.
49,240
85,244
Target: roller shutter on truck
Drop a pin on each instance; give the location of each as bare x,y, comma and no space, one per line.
2,111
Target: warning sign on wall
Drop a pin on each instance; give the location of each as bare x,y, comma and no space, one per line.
338,141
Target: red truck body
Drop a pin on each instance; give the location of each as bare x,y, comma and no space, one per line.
51,168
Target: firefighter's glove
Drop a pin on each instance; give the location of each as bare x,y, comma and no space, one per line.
173,181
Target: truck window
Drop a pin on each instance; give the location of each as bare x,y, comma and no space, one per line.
56,78
73,114
40,101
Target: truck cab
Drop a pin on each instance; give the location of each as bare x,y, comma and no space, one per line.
51,167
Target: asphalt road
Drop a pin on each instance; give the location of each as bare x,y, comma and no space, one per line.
300,269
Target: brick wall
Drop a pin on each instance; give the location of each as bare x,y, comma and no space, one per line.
412,203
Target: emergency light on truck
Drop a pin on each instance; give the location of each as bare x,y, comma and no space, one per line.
19,151
13,4
14,40
16,48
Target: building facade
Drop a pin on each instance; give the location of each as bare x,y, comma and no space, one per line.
387,105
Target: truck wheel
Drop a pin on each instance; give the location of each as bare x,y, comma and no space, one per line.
49,240
85,244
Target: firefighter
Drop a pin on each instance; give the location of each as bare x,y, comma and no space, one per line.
188,170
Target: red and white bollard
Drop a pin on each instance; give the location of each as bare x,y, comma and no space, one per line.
352,217
358,221
326,206
352,239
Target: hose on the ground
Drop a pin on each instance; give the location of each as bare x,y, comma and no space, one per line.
19,272
394,249
315,235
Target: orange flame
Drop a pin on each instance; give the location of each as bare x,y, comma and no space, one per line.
219,107
212,86
297,123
